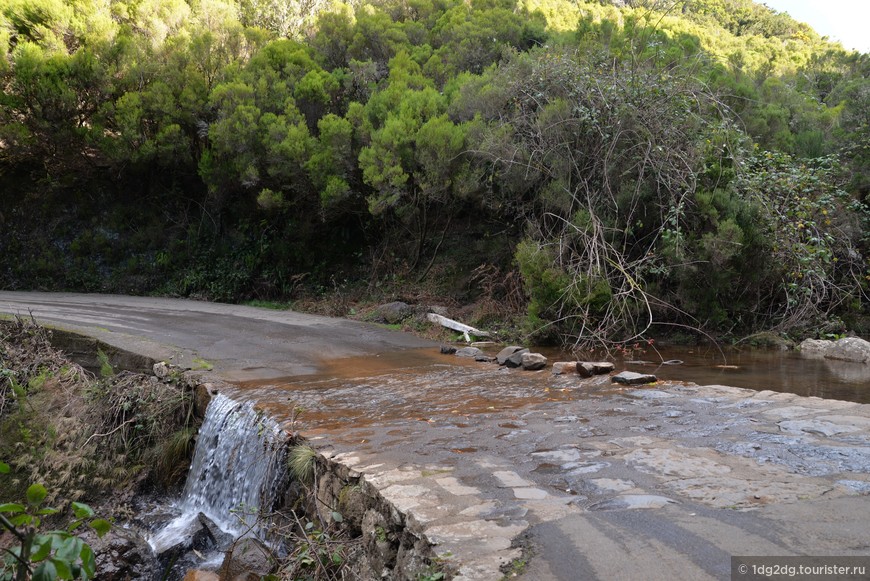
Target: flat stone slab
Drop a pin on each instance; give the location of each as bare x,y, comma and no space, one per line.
453,486
510,479
632,378
612,484
530,493
818,426
649,394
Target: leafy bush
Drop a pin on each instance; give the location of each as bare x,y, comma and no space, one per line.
46,555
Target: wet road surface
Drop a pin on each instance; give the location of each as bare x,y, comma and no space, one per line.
599,482
242,343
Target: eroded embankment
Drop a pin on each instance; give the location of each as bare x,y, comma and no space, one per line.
101,440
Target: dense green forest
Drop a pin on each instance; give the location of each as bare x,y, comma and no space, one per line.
597,166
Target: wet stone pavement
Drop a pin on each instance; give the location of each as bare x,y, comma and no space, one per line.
595,480
600,482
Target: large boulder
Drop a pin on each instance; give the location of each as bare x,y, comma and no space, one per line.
247,558
851,349
533,361
393,313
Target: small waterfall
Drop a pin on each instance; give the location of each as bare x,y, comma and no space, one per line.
238,463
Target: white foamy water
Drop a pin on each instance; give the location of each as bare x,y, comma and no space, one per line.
238,462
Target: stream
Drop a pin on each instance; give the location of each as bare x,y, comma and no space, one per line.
415,385
783,371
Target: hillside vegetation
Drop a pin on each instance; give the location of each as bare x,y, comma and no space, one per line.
600,166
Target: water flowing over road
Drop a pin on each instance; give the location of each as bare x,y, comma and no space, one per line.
602,482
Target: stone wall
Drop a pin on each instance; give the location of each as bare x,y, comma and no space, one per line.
83,350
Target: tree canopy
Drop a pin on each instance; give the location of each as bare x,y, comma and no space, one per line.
702,162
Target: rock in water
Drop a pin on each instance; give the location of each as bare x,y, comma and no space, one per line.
815,348
505,353
561,367
601,367
515,360
533,361
247,558
850,349
632,378
590,368
853,349
469,352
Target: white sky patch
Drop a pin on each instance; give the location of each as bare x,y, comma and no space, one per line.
847,21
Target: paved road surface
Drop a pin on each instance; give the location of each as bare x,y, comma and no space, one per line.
241,342
600,482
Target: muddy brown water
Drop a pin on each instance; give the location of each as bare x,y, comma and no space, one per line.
414,386
425,386
759,369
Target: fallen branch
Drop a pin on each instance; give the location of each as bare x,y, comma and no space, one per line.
466,330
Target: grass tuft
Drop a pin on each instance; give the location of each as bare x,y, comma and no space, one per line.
301,463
